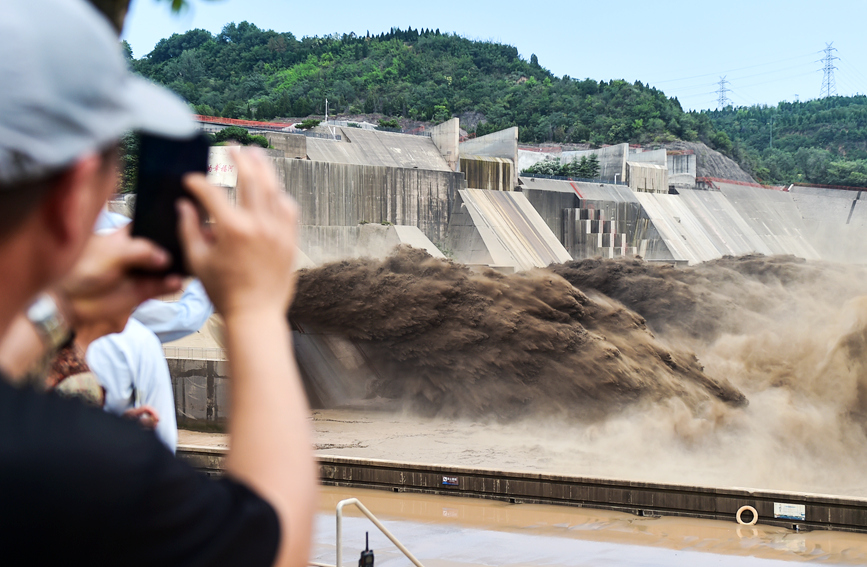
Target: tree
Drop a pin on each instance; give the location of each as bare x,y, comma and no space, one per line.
589,168
129,150
240,135
127,50
390,124
308,124
548,166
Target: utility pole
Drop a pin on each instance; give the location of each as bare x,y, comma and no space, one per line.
829,87
772,132
722,93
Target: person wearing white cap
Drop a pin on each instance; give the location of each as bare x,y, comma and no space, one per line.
108,492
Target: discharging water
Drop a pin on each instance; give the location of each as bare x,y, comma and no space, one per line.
746,372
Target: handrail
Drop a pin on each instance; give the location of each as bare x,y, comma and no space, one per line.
195,353
376,522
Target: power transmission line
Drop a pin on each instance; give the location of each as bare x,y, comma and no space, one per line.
722,93
829,87
701,88
737,69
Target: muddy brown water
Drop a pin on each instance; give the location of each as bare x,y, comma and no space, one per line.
556,535
745,372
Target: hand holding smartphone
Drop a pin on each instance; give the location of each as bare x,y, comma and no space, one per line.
162,164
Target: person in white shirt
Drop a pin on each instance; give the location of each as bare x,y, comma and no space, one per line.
131,367
175,320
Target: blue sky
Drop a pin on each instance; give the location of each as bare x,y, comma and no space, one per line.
768,50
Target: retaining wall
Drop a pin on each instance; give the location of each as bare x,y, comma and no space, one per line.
336,194
502,144
639,498
612,160
292,145
446,137
483,172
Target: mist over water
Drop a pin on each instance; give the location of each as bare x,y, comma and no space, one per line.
746,371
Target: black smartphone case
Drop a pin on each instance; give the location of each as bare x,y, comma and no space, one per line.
162,164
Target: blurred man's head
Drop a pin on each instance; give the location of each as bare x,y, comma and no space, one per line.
67,97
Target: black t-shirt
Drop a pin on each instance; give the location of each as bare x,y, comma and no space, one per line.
82,487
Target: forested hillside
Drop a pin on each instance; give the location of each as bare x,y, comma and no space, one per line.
246,72
819,141
425,75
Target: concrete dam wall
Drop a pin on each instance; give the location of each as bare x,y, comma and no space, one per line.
337,194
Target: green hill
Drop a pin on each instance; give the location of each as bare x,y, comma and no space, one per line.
247,72
425,75
819,141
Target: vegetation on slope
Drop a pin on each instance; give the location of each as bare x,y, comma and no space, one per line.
819,141
585,168
425,75
247,72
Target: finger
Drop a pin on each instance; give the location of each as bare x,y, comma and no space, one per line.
210,197
246,188
265,171
290,207
191,234
143,288
140,253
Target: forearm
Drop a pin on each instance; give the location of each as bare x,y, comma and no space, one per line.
271,441
21,348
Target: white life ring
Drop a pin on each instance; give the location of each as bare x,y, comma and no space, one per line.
751,522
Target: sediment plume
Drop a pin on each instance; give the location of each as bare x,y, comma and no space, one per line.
455,342
748,371
763,322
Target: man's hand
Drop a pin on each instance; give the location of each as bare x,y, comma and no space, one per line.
96,298
245,261
101,291
146,416
245,258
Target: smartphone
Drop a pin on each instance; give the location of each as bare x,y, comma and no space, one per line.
162,164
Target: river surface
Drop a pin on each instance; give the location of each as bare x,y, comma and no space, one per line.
444,531
449,531
609,450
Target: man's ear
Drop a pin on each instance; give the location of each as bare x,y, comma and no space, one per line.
70,208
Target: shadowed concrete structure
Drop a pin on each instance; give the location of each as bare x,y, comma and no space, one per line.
333,369
501,230
337,194
593,219
502,144
485,172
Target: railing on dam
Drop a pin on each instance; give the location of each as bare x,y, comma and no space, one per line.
195,353
793,510
578,179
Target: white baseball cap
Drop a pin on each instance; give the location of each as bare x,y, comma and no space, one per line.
66,90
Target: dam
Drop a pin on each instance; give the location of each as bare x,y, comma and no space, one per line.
655,342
